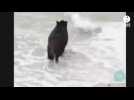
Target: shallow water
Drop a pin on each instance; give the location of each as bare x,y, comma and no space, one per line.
90,59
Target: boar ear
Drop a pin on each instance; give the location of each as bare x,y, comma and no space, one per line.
66,22
57,22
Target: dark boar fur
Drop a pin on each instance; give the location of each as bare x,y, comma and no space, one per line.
57,40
